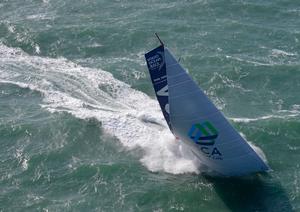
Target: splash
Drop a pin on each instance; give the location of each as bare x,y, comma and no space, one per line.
129,115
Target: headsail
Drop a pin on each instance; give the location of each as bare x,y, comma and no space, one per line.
195,120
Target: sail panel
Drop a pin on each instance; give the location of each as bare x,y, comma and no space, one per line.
157,68
196,121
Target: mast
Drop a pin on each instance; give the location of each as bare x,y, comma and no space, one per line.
159,39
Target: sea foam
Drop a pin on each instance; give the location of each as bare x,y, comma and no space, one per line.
125,113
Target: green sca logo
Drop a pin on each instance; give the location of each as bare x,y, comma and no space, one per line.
203,134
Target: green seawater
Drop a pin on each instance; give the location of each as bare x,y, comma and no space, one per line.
80,129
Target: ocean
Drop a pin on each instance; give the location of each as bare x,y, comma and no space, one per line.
81,130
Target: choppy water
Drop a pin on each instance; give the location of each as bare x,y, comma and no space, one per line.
77,109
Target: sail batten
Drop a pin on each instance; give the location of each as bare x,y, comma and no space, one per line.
193,118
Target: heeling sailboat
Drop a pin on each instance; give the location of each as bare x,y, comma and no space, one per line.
195,120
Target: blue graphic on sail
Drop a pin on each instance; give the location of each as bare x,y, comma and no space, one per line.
203,134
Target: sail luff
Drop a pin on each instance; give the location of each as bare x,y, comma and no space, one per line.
157,68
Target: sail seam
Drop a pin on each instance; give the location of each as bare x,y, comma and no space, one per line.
175,85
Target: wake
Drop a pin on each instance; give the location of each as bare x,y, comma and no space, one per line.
129,115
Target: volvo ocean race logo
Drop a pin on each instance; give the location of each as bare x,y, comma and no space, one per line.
204,135
156,62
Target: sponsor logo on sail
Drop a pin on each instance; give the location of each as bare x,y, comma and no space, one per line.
204,134
156,62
